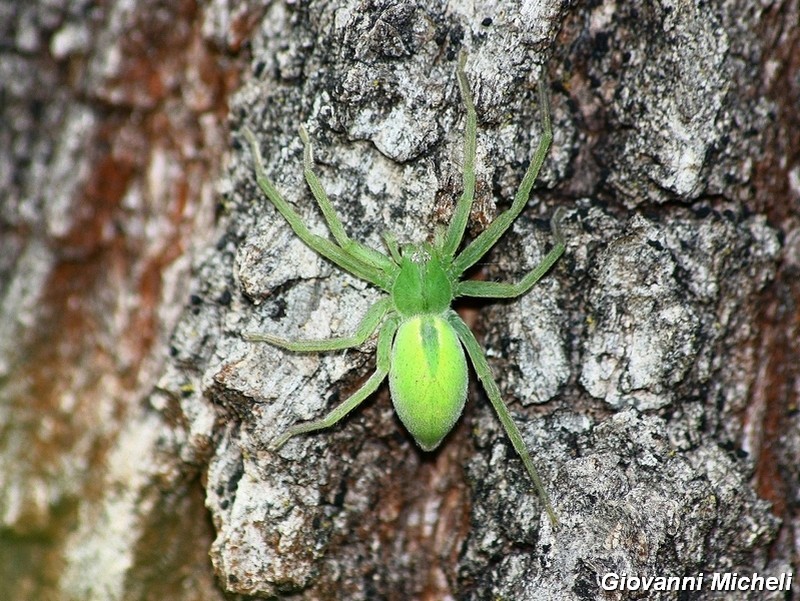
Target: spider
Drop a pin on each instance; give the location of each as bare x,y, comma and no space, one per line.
421,340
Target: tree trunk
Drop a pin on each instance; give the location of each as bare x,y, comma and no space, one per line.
652,372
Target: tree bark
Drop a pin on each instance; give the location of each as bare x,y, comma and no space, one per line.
651,372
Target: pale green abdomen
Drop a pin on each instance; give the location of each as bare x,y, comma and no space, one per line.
428,378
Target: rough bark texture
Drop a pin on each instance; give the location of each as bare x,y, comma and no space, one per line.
653,372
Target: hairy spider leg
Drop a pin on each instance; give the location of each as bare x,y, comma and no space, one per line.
385,337
484,373
458,223
476,288
367,255
486,239
348,261
366,328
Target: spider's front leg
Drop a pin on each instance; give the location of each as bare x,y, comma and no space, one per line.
363,253
458,224
353,262
484,289
489,237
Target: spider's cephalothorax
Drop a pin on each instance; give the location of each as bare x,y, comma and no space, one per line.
422,285
421,340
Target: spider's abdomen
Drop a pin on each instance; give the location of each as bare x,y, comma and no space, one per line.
428,378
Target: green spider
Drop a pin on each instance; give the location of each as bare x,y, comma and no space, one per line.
421,341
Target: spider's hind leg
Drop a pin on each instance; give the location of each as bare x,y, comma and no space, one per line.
484,373
371,385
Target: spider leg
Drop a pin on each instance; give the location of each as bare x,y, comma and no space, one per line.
477,288
371,385
368,255
394,249
480,245
333,252
365,329
458,223
484,374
